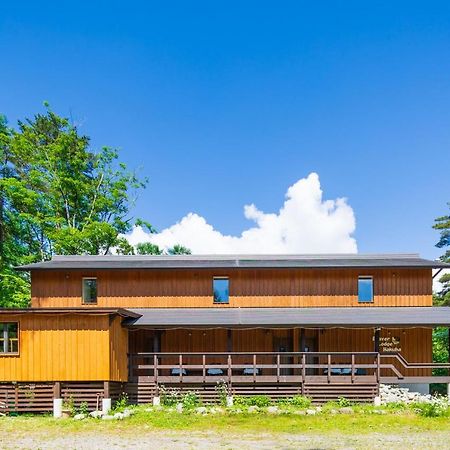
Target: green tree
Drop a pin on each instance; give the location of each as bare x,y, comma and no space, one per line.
178,249
58,196
442,224
147,248
440,335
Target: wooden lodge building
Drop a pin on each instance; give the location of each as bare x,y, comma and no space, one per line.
324,326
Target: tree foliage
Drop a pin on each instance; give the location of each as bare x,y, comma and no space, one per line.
440,335
442,224
57,196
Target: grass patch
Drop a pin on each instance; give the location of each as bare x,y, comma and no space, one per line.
362,422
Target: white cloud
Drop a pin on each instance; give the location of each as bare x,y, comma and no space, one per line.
306,223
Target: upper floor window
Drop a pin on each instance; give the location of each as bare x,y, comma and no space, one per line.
9,337
89,290
221,289
365,289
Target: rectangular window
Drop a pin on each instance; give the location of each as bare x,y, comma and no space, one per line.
365,289
221,289
90,290
9,337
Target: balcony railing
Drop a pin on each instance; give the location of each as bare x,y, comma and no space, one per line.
285,367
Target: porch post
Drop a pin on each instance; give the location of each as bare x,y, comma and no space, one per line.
106,401
377,340
57,400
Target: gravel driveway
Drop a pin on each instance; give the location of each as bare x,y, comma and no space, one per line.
156,440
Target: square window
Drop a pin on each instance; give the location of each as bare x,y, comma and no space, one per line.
89,290
9,337
221,289
365,289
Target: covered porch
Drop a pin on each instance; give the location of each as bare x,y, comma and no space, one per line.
275,347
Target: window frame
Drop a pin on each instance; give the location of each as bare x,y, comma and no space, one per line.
221,277
5,333
82,291
367,277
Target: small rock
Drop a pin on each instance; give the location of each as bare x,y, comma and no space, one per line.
273,410
346,410
179,408
201,410
300,412
333,411
253,409
107,417
118,416
311,412
96,414
79,417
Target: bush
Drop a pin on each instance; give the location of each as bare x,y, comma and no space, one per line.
190,400
260,400
298,401
433,409
170,396
122,402
222,391
343,402
84,408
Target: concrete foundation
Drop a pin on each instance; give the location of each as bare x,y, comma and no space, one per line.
422,388
106,405
57,407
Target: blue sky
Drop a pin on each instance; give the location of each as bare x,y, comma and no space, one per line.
223,104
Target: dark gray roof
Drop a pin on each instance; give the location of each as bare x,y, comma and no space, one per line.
233,261
291,317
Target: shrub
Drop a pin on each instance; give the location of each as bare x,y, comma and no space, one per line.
190,400
222,391
240,401
84,408
122,402
343,402
433,409
259,400
298,401
170,396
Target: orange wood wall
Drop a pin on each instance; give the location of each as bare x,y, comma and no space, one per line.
248,288
66,348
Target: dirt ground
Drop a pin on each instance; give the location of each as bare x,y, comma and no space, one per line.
156,440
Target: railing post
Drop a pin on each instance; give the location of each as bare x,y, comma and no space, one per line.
181,368
278,368
303,368
229,370
204,368
254,368
353,368
329,368
155,368
378,368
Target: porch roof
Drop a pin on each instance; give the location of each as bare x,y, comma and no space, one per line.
224,317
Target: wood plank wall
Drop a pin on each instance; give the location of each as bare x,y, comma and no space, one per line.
248,288
66,348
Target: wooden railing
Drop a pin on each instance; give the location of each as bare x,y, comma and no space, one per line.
272,367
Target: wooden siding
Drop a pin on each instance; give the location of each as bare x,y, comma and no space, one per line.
248,288
66,348
415,343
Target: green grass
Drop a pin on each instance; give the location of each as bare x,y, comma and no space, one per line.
362,422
